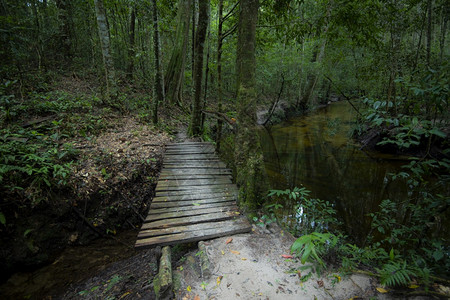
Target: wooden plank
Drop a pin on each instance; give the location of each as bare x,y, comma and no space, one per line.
188,203
188,197
213,217
190,213
196,227
183,157
192,236
202,188
175,145
202,149
194,177
207,165
155,211
191,151
233,192
192,182
166,172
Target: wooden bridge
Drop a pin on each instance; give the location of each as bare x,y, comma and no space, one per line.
195,199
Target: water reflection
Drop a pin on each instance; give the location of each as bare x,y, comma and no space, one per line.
317,152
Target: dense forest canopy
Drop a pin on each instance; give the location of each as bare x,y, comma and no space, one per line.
222,68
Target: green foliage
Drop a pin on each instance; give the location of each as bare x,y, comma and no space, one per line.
310,247
31,163
300,193
395,273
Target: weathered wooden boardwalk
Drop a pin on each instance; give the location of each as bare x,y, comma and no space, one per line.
195,199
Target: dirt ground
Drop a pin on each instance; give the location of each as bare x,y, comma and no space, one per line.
251,266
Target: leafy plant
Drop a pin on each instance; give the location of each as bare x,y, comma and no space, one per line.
395,273
310,247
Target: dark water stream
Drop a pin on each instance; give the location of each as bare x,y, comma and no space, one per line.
317,152
72,265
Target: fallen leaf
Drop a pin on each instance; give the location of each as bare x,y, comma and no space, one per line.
237,213
260,294
320,283
381,290
299,274
219,279
229,241
243,258
287,256
223,253
235,252
413,286
337,277
189,289
196,204
197,297
126,294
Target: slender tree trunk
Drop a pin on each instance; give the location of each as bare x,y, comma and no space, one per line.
251,176
103,31
131,52
194,22
200,37
429,30
219,73
175,71
312,78
445,16
159,96
205,90
65,36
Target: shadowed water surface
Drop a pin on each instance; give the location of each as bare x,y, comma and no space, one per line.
317,152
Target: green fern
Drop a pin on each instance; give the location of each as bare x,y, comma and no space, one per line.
395,273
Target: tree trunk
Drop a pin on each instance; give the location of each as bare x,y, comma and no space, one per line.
159,96
317,58
251,176
131,52
103,31
219,73
175,71
65,36
429,30
205,90
200,37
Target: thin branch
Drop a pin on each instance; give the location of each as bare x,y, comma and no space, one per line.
230,12
274,105
345,96
221,116
230,31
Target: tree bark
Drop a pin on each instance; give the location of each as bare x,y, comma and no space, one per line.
159,96
219,73
429,30
251,176
65,35
131,52
103,31
200,37
175,71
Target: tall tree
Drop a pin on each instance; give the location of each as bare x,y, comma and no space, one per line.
175,70
159,79
65,24
219,72
200,37
105,41
131,50
251,176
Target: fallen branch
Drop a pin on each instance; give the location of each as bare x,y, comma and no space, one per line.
345,96
221,116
